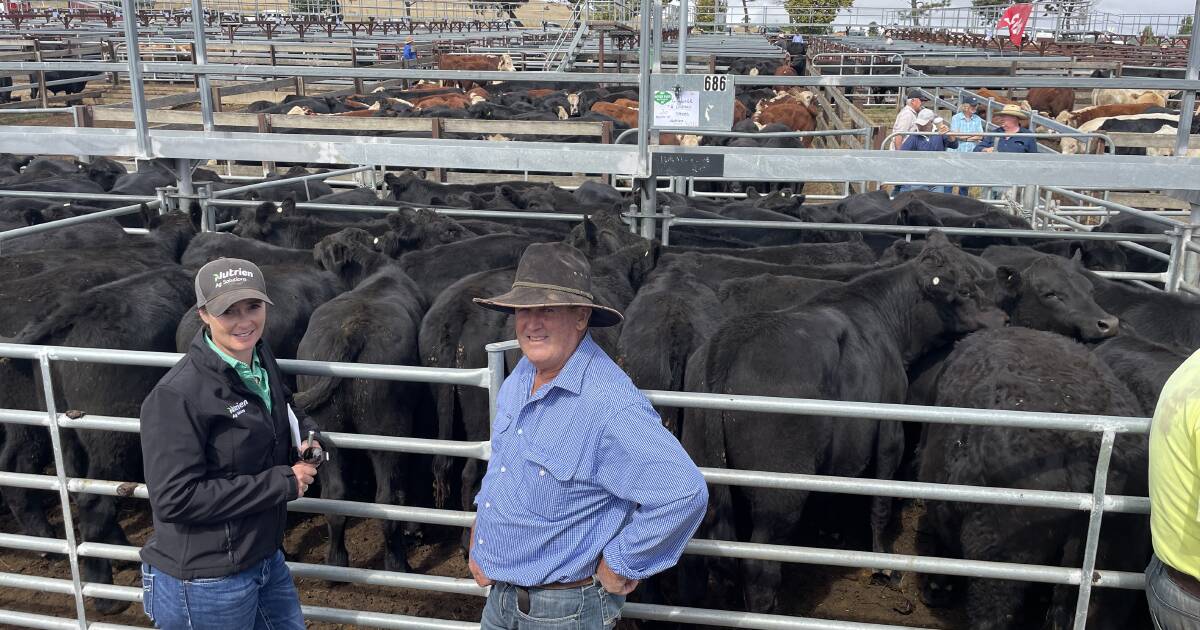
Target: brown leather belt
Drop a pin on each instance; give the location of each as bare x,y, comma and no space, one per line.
523,592
1183,581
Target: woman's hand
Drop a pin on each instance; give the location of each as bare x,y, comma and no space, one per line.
305,474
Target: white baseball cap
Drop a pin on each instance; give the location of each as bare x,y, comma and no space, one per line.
925,116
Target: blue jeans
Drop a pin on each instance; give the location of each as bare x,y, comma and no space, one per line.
1171,607
262,597
582,608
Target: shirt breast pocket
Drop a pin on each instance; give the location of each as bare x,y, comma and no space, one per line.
548,485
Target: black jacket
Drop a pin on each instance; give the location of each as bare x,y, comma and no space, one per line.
218,466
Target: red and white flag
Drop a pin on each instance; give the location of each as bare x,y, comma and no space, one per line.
1014,19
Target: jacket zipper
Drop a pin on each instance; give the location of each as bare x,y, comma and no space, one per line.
229,544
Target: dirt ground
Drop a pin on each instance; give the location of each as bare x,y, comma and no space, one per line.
812,591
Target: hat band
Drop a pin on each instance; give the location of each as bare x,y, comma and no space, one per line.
552,287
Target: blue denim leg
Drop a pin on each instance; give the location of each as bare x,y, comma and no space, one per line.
1171,607
278,601
203,603
584,608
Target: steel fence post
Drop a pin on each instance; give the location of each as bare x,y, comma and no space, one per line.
207,220
1191,267
200,45
165,201
63,496
1029,199
1093,535
495,379
1189,96
183,167
1179,255
137,89
666,226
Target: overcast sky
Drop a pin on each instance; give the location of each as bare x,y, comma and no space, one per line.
1108,6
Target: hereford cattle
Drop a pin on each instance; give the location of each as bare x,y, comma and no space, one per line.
784,70
985,94
502,63
1078,117
625,115
1051,101
452,101
1118,97
790,112
872,326
996,369
627,102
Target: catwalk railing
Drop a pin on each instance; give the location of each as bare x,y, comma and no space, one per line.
1086,576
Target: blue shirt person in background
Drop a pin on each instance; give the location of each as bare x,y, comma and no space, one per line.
963,124
929,140
408,52
586,493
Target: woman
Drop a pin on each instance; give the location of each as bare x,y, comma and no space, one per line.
1009,119
217,446
963,124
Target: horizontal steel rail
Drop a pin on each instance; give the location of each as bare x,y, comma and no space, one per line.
83,218
1085,229
1000,82
1104,203
450,212
38,194
914,229
55,83
288,180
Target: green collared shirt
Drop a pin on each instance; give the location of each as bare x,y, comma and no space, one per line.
253,375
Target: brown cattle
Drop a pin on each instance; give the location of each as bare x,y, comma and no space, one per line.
474,62
740,112
626,102
626,115
539,93
784,70
1079,117
1051,101
453,101
788,111
477,95
681,140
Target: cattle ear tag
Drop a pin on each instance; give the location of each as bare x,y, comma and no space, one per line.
376,242
936,281
278,210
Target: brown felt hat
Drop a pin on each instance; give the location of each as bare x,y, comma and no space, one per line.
1012,110
226,281
553,274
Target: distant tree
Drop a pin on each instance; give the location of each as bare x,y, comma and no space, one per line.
919,9
1148,36
814,16
873,29
990,10
1185,25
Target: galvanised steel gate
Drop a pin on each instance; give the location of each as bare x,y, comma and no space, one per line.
1086,576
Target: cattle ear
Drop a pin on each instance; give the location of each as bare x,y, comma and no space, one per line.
263,212
1009,279
751,193
33,216
591,234
389,179
1077,252
936,238
150,218
288,206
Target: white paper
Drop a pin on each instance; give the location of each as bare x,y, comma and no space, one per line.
294,423
672,111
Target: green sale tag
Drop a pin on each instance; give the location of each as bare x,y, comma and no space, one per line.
662,97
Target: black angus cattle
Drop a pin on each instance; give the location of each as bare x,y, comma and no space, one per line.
1144,366
155,174
1170,319
1019,368
75,87
375,322
306,190
209,246
1095,255
768,292
136,312
282,226
1130,224
1050,293
437,268
168,237
296,290
856,341
798,254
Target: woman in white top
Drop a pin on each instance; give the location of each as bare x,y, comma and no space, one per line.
964,123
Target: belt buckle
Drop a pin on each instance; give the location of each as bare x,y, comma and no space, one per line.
522,599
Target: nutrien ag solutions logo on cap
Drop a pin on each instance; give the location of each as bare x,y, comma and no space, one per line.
231,276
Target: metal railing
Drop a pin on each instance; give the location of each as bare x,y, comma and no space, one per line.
1112,147
491,378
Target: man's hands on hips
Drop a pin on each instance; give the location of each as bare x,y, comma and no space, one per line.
477,573
613,583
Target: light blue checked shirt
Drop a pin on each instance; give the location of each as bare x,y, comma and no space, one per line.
582,467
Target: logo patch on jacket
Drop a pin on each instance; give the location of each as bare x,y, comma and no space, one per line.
238,409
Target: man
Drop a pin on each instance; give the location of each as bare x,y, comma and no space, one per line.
1009,119
1172,587
586,493
906,120
408,52
929,139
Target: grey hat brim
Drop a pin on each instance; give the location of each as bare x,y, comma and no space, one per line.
529,297
218,305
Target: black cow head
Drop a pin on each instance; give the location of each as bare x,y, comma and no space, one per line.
1051,293
1100,255
961,286
256,223
350,254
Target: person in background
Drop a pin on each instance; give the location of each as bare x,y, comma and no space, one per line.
933,137
409,53
1010,120
963,124
906,120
